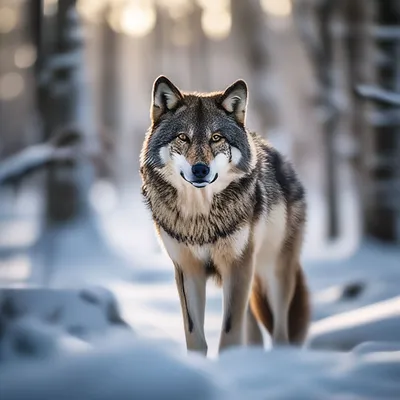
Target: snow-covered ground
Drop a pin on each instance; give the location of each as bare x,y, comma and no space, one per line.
123,367
86,351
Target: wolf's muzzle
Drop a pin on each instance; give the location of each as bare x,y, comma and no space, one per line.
200,170
199,183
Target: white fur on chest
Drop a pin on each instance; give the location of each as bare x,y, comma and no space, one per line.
269,235
234,244
192,201
202,253
175,248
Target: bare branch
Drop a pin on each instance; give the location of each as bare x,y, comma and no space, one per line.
59,149
378,94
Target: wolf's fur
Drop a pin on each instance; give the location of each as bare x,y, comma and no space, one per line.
243,223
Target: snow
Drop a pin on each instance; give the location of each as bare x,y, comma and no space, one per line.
29,338
38,322
119,368
124,368
368,277
380,321
109,323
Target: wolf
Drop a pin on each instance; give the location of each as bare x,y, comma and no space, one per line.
225,204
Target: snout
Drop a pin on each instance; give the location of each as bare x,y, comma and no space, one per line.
198,174
201,175
200,170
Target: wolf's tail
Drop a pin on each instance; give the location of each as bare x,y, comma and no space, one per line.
299,311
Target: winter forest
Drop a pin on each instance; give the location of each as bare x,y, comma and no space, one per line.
88,302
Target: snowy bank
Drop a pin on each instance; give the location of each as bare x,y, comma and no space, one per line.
379,321
121,366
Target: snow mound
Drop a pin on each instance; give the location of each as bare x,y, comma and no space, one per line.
42,323
376,322
28,337
375,347
119,368
91,309
307,374
123,367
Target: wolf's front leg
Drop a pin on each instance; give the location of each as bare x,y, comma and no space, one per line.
191,284
237,278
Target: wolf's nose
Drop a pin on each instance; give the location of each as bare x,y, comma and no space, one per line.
200,170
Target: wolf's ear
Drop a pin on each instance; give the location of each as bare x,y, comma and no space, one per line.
166,96
234,100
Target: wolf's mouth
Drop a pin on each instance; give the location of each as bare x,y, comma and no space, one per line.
199,183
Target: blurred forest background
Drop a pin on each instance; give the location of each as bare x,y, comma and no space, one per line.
75,85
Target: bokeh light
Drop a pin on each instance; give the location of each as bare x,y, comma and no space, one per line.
114,19
138,19
25,56
91,10
277,8
216,24
213,4
50,7
8,19
11,86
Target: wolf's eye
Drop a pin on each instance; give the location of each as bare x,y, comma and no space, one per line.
216,137
183,137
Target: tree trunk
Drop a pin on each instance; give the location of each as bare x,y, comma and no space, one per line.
250,32
71,240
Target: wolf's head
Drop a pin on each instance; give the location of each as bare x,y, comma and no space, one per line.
199,139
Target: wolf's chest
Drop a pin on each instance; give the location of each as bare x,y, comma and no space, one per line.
198,229
190,201
197,217
223,250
